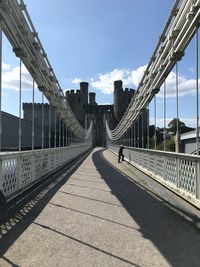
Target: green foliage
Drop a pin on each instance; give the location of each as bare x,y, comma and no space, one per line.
169,143
173,126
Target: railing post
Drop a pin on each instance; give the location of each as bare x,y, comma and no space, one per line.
143,129
149,155
55,128
1,176
198,179
134,135
32,167
49,125
177,172
19,159
155,165
165,168
148,128
59,129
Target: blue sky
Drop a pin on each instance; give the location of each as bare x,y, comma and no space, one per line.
101,41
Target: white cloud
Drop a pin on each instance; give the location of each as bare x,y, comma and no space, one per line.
131,79
160,121
135,76
191,122
105,82
76,81
5,66
10,78
185,86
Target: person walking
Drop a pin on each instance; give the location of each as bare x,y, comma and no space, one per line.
120,153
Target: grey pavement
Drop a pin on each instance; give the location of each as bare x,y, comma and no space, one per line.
102,214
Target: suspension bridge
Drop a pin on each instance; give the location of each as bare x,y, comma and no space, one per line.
64,202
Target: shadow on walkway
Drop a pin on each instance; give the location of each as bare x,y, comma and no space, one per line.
177,239
24,213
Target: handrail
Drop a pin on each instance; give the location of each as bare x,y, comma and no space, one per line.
176,171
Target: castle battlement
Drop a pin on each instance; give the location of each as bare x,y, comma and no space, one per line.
83,90
36,105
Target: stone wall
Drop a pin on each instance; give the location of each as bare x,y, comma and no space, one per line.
10,130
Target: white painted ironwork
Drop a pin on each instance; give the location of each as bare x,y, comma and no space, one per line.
22,169
20,31
179,172
178,31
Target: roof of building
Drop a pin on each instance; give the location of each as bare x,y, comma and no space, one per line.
189,135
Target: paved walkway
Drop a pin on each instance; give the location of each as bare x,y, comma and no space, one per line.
98,217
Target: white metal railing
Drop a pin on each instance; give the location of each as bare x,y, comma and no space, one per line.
19,170
179,172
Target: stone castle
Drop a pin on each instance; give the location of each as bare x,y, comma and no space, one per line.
86,111
85,108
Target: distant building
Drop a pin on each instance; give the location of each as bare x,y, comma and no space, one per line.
188,142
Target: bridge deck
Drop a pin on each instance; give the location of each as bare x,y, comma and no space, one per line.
96,216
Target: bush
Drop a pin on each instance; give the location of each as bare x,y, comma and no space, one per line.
169,143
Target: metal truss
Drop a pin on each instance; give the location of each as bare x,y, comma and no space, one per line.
18,28
177,33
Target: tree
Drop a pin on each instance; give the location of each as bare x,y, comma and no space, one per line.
173,126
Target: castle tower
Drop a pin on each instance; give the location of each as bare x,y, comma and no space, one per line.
92,100
78,101
118,100
84,87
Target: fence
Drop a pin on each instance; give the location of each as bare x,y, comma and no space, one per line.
18,170
179,172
